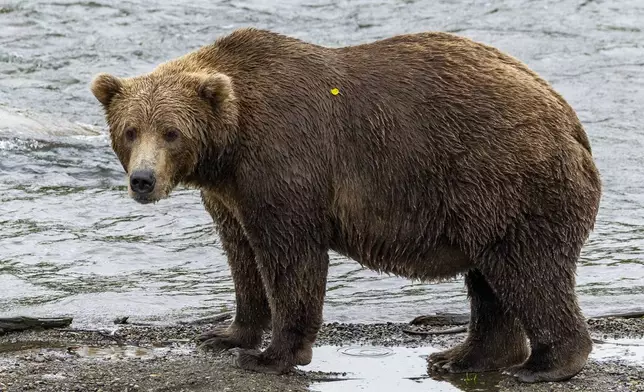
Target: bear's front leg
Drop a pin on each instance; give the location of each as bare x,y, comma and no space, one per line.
252,314
294,267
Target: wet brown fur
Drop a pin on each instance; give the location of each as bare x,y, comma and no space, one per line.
439,156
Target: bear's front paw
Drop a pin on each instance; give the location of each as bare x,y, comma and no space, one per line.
447,365
440,357
257,361
447,361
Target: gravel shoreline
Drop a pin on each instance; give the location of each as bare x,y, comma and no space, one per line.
165,358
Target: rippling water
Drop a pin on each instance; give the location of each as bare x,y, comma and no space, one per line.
71,242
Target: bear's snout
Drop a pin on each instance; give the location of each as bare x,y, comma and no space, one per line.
142,182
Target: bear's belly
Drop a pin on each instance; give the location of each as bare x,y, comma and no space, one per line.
399,249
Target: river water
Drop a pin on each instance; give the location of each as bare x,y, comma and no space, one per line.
73,243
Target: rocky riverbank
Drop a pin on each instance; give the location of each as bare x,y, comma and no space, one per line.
165,358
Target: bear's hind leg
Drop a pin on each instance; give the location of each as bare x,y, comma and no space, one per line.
538,284
496,339
252,315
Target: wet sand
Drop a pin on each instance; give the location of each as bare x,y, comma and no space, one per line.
374,357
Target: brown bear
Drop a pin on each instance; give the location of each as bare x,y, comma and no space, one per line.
423,155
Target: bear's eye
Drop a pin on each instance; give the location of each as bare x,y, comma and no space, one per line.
130,134
171,135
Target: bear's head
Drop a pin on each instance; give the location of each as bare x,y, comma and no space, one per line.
167,127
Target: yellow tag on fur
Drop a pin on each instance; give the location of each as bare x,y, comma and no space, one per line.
335,91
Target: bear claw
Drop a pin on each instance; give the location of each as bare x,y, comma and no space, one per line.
526,375
217,340
446,362
466,358
255,360
511,371
523,374
213,333
447,366
439,357
221,339
219,344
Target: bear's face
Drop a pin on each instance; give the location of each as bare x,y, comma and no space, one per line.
163,125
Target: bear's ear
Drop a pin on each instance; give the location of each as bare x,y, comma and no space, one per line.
105,87
216,89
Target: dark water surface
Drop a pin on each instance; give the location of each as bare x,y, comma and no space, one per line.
71,242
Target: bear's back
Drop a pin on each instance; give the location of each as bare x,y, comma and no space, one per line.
416,130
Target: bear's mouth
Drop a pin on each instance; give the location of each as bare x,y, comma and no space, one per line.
144,199
152,197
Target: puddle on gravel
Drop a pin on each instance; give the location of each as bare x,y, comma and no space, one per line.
376,369
627,350
125,352
117,352
368,368
37,350
384,369
10,347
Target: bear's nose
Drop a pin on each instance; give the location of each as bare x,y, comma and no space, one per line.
142,181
